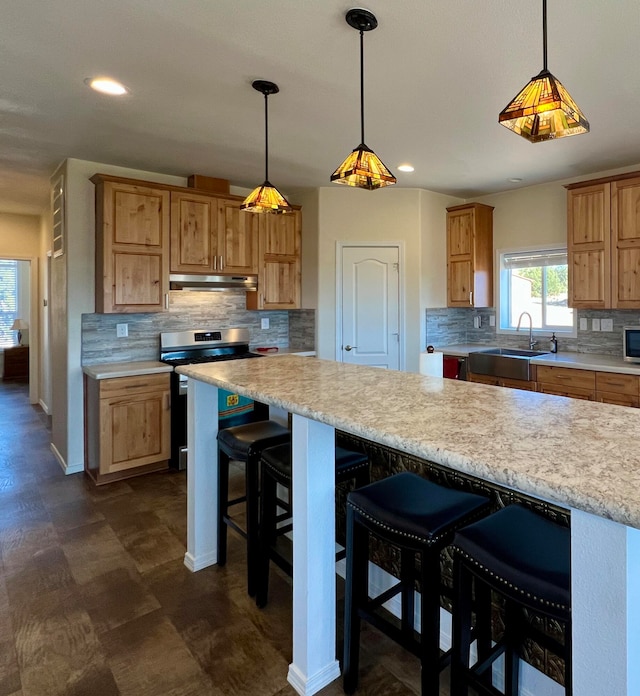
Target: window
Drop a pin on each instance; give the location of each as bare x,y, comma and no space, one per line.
535,281
8,301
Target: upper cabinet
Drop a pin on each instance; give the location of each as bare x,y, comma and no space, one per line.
237,244
279,262
603,243
132,246
470,255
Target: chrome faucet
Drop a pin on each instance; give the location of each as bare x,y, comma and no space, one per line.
532,343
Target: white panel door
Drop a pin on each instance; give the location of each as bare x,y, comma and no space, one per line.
370,306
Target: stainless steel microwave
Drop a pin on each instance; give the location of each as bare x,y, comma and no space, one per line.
631,343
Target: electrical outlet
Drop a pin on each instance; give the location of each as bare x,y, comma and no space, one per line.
595,325
122,330
492,320
583,324
264,323
477,322
606,324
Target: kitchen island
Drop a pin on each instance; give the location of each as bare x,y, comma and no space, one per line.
584,456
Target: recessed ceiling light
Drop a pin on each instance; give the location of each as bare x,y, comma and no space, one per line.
515,179
405,168
106,85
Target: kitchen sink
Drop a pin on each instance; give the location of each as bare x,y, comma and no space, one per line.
509,363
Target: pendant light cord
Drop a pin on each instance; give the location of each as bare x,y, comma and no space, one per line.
361,86
266,139
544,35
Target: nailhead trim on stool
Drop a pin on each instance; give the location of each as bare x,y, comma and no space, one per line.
244,443
418,517
276,469
525,558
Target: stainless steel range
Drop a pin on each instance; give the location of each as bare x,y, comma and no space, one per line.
200,346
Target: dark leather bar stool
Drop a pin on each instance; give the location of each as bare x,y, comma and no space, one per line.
419,518
244,443
525,558
275,468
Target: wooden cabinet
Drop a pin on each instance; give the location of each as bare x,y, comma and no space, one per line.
612,388
16,364
127,426
470,255
603,243
279,250
527,385
566,381
132,246
212,235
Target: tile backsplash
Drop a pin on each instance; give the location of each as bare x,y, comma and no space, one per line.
188,310
448,326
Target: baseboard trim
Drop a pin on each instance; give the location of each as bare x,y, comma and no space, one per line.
194,564
307,686
66,468
43,406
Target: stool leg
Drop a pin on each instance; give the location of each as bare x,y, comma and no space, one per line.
223,498
482,596
430,623
267,535
461,637
356,595
568,672
253,527
408,593
514,638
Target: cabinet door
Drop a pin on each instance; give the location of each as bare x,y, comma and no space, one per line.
625,228
134,430
194,230
132,248
279,284
589,246
283,234
460,233
237,238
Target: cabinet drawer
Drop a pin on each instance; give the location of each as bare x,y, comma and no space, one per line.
571,392
621,384
518,384
617,398
567,377
482,379
124,386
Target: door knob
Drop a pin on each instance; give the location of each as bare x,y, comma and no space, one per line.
350,347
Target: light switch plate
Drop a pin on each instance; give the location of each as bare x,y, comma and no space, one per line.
477,322
595,325
606,324
492,320
264,323
583,323
122,330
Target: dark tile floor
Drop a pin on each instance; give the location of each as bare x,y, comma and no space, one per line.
95,599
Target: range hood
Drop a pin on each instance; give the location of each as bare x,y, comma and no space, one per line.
208,283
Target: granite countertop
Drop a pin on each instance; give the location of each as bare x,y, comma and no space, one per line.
582,361
576,453
126,369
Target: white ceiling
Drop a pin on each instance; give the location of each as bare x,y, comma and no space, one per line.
437,75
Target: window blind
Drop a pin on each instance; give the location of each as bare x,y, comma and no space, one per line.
8,301
535,259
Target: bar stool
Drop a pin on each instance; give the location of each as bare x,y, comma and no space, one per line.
525,558
244,443
418,517
275,468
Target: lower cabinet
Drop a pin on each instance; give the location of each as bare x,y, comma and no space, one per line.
567,381
528,385
127,426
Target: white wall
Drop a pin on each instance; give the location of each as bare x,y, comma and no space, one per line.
412,216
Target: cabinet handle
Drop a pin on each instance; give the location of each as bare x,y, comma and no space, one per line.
215,262
166,300
221,263
167,402
471,298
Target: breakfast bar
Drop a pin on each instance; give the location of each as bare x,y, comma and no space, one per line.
584,456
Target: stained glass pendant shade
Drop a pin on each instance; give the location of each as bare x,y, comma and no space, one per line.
266,198
544,110
362,168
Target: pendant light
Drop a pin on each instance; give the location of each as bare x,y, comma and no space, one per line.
266,198
362,168
544,110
